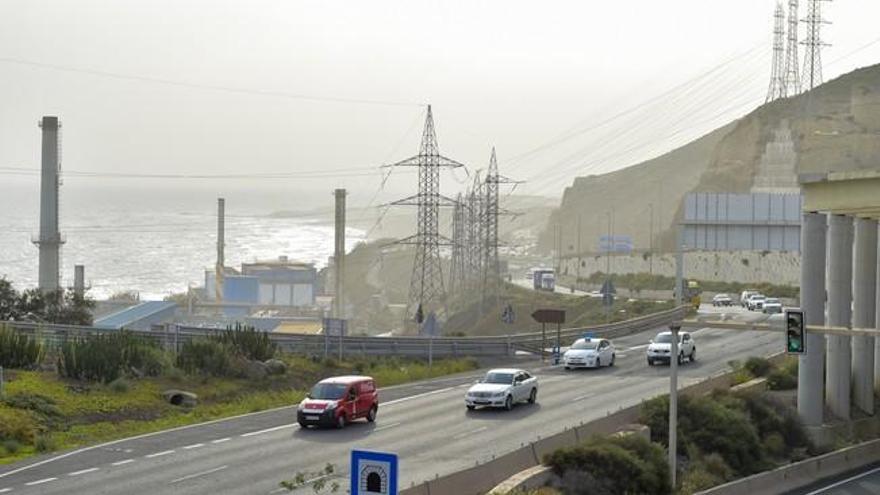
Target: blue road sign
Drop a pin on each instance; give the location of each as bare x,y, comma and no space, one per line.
373,472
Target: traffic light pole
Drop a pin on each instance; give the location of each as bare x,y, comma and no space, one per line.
673,404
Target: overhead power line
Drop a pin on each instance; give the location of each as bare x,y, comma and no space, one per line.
332,173
209,87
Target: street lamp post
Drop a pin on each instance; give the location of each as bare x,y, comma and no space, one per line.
673,403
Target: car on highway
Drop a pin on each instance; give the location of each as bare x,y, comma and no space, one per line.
589,353
772,305
660,348
722,300
338,400
756,302
502,387
744,297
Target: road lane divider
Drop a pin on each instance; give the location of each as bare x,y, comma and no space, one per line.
159,454
122,463
194,446
197,475
221,440
471,432
268,430
84,471
5,490
385,427
40,482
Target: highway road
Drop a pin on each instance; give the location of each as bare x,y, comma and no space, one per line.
862,482
425,423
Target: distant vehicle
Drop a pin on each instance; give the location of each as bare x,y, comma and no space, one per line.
339,400
744,297
692,292
589,353
756,302
722,300
544,279
503,387
772,305
659,350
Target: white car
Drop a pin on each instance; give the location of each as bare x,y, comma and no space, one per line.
589,353
503,387
744,297
659,350
756,302
772,305
722,300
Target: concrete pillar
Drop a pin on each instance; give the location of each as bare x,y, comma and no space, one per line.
864,307
811,365
838,376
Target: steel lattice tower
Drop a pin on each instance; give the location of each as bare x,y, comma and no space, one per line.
792,76
475,233
426,285
459,245
814,44
492,211
777,73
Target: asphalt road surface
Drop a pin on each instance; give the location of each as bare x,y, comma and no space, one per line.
863,482
426,424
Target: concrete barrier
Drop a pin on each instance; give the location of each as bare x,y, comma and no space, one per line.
801,474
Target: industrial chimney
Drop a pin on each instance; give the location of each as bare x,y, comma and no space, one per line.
221,239
49,240
339,255
79,281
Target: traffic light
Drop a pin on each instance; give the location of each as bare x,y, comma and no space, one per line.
795,332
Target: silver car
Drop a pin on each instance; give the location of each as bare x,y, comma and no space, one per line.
503,387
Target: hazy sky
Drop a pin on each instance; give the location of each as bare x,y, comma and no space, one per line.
509,73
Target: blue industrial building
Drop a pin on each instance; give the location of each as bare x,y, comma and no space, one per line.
278,283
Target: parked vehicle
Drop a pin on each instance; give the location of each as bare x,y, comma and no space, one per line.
339,400
772,305
744,297
756,302
544,279
660,348
503,387
722,300
589,353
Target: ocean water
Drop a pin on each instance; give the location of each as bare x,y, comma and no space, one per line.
156,239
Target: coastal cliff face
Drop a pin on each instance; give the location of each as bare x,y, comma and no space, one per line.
834,127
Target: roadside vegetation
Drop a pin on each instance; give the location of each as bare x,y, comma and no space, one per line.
781,376
638,282
62,306
87,391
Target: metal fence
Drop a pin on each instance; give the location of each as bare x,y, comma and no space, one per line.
173,336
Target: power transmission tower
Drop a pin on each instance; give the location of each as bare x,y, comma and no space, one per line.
792,71
777,73
475,232
814,44
458,267
426,291
491,265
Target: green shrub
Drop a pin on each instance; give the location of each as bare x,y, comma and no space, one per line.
627,464
11,446
120,386
248,342
774,445
206,357
40,404
18,350
758,366
106,357
18,425
44,443
781,380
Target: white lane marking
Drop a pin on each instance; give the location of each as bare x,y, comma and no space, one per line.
466,433
418,396
582,397
637,347
268,430
159,454
843,482
4,490
385,427
40,482
120,463
194,446
196,475
221,440
84,471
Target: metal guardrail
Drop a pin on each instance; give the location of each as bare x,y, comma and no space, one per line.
172,336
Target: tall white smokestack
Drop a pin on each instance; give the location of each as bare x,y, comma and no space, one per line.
221,239
49,240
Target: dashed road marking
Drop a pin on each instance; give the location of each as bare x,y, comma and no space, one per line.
268,430
471,432
40,482
159,454
385,427
221,440
582,397
194,446
84,471
196,475
120,463
5,490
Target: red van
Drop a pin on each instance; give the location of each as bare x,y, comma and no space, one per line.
338,400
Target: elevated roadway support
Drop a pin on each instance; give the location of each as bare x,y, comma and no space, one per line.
864,307
811,366
838,373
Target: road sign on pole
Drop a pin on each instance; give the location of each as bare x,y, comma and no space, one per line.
373,472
